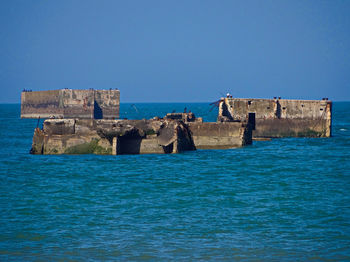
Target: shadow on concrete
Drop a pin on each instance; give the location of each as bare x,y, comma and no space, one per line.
98,113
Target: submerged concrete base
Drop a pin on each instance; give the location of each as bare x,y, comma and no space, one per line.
277,128
115,137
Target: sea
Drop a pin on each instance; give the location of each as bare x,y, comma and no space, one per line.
281,200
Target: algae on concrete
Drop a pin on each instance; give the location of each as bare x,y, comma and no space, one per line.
88,148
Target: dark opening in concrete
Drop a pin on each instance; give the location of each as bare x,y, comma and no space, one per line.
168,149
129,145
251,120
98,113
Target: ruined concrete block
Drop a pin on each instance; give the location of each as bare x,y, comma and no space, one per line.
59,126
69,136
155,136
69,103
280,117
38,142
220,135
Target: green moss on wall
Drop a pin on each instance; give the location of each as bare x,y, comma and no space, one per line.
52,151
150,132
89,148
102,151
309,133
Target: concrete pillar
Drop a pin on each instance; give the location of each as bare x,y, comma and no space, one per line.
220,109
329,119
175,147
115,146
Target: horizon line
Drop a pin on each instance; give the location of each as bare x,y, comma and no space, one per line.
182,102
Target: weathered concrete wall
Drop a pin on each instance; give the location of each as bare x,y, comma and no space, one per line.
185,117
83,136
90,136
210,135
77,103
281,117
43,104
108,103
266,128
68,103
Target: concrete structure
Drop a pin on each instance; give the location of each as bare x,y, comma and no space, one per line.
68,103
211,135
154,136
280,117
73,128
78,130
184,117
79,136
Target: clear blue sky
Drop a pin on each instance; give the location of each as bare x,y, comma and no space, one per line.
177,51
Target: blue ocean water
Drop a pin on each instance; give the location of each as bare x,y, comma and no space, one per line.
280,200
